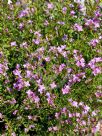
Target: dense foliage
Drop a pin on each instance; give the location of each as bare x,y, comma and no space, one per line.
50,68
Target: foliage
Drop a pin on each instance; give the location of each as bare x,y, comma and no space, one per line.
50,68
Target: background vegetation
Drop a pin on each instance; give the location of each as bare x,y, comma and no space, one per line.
50,68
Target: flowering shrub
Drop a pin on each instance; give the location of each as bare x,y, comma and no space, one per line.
50,69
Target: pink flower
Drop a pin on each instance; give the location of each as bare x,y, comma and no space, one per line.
94,130
76,78
28,74
48,94
32,96
72,12
98,94
26,83
37,99
53,85
66,90
57,115
13,43
1,116
26,130
78,27
80,62
30,117
65,37
97,12
86,108
12,101
15,112
94,42
36,41
17,72
97,70
47,59
71,5
19,84
1,68
50,6
31,126
89,22
77,114
30,93
46,23
24,45
97,127
50,101
55,128
96,25
61,67
64,111
13,134
75,104
50,129
23,13
83,122
69,70
41,89
37,33
61,22
64,10
70,115
94,113
21,25
50,98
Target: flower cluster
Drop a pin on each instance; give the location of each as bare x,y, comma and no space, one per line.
92,64
50,68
